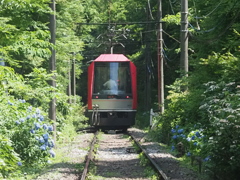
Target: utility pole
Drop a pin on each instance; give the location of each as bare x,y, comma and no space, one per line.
184,37
52,65
160,61
69,87
73,79
147,87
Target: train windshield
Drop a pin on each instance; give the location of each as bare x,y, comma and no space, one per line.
112,78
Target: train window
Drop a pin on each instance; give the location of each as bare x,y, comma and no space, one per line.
112,78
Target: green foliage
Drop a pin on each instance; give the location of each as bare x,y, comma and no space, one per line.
26,135
222,129
8,158
205,117
172,19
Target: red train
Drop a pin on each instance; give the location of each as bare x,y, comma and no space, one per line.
112,92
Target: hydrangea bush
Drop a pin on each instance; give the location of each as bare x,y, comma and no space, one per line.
193,141
221,109
216,136
27,134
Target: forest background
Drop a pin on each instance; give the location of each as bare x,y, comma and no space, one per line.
205,117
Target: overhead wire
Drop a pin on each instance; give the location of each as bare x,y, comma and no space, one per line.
170,2
209,12
225,29
171,37
150,10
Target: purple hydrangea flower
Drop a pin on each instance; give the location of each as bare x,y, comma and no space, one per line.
19,163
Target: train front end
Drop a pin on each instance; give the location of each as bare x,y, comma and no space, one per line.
112,92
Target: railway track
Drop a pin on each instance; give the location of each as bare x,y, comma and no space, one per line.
117,158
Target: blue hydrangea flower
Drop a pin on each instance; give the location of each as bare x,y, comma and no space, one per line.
51,143
173,148
52,153
41,118
198,134
173,130
188,154
206,159
22,100
21,119
183,135
50,128
38,111
37,126
41,140
45,126
32,131
43,147
177,126
17,122
45,136
28,117
10,103
195,143
174,137
30,108
180,131
189,139
193,137
19,163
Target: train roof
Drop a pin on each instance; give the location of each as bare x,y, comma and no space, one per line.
112,57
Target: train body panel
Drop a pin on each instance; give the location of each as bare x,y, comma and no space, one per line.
113,104
112,92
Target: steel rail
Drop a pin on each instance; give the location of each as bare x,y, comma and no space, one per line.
89,157
154,164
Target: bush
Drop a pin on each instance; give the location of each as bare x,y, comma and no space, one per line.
8,158
27,135
221,109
